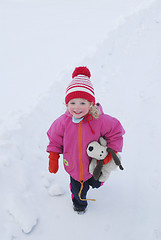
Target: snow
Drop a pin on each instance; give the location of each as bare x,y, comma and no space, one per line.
41,43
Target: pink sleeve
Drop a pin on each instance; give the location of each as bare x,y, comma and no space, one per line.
55,135
113,132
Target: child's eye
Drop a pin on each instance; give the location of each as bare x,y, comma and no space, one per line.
72,103
82,103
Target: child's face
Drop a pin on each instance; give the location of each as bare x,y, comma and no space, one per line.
78,107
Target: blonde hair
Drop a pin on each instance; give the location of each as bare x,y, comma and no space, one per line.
94,110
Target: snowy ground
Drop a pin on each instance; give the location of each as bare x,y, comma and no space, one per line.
126,71
39,39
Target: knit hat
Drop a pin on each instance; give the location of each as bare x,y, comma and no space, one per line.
80,86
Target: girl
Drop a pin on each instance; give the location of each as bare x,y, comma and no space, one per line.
70,134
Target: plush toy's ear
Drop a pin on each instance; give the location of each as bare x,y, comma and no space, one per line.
102,142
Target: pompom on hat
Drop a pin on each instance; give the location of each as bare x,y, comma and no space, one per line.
80,86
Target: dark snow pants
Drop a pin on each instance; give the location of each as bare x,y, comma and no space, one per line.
75,189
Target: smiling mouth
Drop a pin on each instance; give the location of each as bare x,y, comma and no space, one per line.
77,112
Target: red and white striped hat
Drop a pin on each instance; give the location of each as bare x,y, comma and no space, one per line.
80,86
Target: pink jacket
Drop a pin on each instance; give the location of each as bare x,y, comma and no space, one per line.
71,139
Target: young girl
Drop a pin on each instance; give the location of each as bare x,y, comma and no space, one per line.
70,134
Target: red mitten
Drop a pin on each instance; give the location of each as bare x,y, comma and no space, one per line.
53,162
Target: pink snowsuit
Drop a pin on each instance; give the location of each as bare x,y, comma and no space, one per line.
71,139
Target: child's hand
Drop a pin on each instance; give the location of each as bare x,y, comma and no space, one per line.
53,162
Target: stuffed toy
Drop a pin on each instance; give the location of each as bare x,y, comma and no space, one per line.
98,152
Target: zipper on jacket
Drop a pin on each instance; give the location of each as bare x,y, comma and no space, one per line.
81,161
80,150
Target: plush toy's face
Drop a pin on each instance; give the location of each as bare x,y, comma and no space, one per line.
95,150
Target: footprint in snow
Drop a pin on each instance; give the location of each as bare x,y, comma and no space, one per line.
55,190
